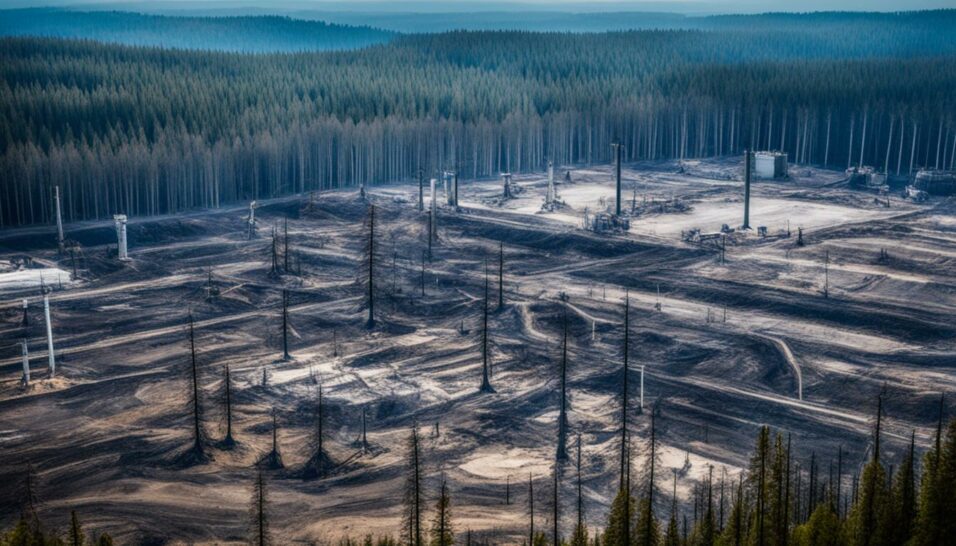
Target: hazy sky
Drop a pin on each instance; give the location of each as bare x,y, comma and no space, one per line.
685,6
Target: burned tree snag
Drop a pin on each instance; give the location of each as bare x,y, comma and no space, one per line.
285,326
501,276
370,268
562,453
485,376
228,442
198,436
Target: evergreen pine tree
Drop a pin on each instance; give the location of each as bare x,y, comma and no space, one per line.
866,525
442,533
413,495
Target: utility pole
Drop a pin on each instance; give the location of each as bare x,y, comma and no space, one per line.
421,189
49,335
746,189
617,176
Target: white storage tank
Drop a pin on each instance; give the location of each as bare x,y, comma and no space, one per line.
770,165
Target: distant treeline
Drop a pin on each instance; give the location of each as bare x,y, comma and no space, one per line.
246,34
148,131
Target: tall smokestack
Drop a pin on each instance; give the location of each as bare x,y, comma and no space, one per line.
49,334
59,220
617,177
746,189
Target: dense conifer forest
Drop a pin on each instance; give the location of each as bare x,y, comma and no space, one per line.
148,131
245,34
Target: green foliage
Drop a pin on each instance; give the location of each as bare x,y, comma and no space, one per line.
823,528
623,512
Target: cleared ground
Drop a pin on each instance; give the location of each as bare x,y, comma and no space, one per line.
105,434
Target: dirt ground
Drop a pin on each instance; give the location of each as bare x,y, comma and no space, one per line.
735,344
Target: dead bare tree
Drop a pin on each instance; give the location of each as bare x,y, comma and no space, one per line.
285,326
562,453
501,276
320,462
197,451
228,442
485,375
370,267
273,460
259,513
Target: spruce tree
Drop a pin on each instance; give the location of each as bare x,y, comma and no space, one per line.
903,513
866,525
647,527
932,494
758,488
442,533
580,535
413,494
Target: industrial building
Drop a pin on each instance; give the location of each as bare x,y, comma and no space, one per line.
936,182
770,164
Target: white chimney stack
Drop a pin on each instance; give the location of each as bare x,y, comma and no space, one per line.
49,334
120,221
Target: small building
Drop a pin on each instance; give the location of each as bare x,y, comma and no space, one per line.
770,165
865,177
936,182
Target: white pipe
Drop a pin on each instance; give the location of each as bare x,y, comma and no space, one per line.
59,219
26,363
49,334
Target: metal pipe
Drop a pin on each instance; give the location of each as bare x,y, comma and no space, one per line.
49,334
